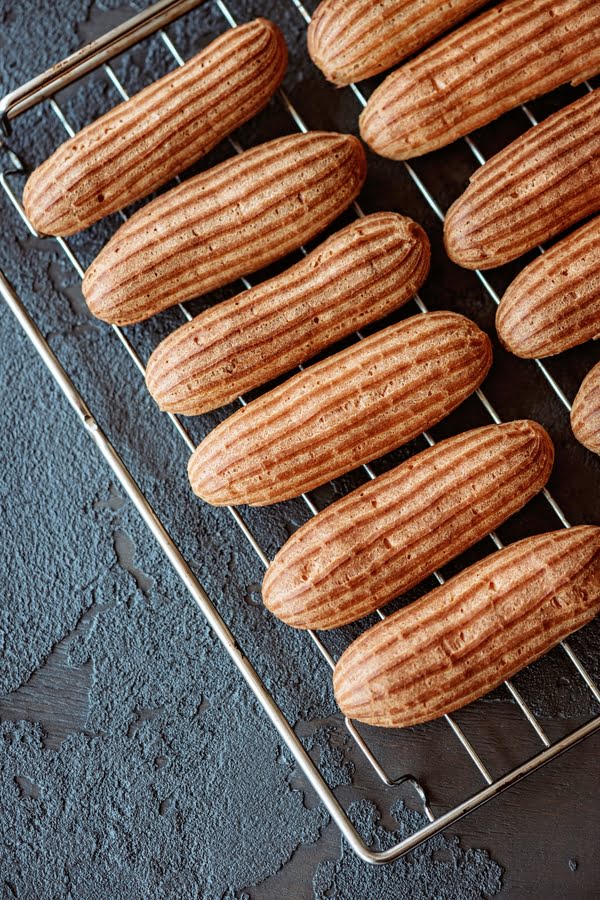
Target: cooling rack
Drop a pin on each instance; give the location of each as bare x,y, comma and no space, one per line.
42,89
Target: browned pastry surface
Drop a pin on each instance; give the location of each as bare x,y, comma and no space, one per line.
546,180
354,39
506,56
585,415
467,636
554,303
147,140
344,411
362,273
228,221
382,539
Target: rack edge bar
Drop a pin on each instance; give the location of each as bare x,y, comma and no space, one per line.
243,665
14,104
183,570
92,56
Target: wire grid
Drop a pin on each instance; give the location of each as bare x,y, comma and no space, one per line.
425,193
421,307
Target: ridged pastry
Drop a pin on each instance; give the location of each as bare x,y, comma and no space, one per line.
539,185
362,273
354,39
506,56
382,539
470,634
228,221
585,414
144,142
344,411
554,303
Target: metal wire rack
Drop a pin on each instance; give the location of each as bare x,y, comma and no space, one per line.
42,88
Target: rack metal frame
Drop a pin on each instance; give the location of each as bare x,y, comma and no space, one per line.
43,88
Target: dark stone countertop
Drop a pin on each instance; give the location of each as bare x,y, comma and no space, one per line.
134,761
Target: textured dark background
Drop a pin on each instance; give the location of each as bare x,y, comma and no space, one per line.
134,762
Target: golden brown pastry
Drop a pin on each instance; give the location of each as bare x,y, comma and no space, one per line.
344,411
353,39
539,185
382,539
554,303
585,415
228,221
506,56
144,142
362,273
467,636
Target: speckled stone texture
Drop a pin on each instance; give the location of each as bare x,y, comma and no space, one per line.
134,762
438,869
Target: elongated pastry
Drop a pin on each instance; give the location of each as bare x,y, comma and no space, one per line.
539,185
382,539
585,415
360,274
554,303
342,412
144,142
467,636
506,56
353,39
228,221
